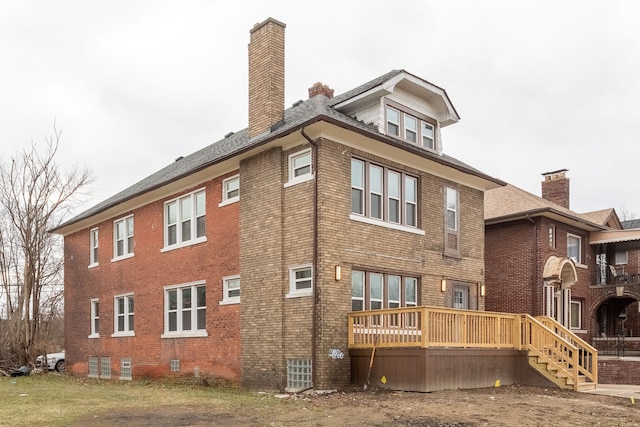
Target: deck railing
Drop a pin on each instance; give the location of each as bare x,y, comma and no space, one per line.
443,327
433,327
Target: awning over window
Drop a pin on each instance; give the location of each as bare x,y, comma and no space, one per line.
560,270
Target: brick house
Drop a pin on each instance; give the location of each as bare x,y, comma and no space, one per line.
544,259
242,260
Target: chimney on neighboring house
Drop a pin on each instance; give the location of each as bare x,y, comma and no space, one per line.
555,187
320,89
266,76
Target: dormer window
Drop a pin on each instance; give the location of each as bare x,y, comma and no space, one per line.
410,126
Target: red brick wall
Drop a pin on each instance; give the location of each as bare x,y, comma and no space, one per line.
145,274
618,371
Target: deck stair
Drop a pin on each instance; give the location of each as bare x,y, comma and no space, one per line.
559,355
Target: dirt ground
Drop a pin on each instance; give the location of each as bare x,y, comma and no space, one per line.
503,406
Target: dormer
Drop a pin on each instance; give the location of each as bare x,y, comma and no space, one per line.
403,106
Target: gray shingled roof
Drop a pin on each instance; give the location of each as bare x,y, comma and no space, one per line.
313,109
632,223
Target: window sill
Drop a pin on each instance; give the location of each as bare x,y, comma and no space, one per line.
385,224
578,331
582,266
123,334
230,301
298,180
229,201
120,258
184,244
94,265
93,336
299,294
200,334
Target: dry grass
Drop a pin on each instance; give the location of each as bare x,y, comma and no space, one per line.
56,400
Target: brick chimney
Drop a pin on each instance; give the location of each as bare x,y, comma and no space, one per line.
320,89
266,76
555,187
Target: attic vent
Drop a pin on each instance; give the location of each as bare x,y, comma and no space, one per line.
179,158
229,134
298,102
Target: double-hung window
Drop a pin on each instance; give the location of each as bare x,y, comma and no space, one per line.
230,290
123,238
452,222
184,220
93,243
95,319
383,194
230,190
185,310
574,248
300,168
576,314
410,126
373,290
123,315
300,281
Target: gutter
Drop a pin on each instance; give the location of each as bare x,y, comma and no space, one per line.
314,309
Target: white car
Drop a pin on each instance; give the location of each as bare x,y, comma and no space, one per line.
55,361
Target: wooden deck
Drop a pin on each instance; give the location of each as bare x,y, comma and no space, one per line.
553,351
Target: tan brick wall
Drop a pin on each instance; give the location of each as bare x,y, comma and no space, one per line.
263,278
145,274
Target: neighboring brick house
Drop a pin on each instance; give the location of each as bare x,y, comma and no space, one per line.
245,257
544,259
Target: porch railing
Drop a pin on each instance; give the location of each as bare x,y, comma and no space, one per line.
429,327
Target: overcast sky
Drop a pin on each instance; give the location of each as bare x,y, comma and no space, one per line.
539,85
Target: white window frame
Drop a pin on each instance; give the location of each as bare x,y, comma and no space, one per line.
128,330
127,246
193,217
94,318
452,208
417,135
93,247
227,282
294,290
364,194
297,179
229,186
194,332
578,259
579,319
621,257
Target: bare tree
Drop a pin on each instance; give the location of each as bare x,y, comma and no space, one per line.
626,214
35,194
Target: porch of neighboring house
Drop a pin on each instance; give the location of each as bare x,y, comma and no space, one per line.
431,348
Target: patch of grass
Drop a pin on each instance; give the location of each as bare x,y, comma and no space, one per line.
55,400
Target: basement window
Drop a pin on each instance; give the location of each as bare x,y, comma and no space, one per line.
299,374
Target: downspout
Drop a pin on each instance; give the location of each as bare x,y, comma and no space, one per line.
314,314
534,270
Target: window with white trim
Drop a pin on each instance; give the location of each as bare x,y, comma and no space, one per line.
230,290
383,194
185,310
93,244
621,257
452,222
411,127
372,290
300,281
230,190
184,220
95,319
574,248
123,315
552,236
576,314
300,169
123,238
